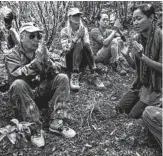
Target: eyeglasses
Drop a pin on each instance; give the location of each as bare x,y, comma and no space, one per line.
33,35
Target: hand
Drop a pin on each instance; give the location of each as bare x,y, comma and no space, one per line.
66,50
137,49
117,25
123,48
42,52
81,32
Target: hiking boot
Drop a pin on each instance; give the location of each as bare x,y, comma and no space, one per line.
98,83
38,139
74,82
57,127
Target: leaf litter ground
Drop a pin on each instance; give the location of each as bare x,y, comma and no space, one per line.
100,132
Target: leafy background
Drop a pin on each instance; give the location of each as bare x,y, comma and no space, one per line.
100,132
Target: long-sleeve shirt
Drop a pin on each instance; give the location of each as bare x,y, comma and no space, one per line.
19,66
66,38
153,50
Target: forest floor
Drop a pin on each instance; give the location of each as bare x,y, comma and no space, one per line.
100,132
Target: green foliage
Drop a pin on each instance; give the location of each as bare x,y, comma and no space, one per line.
17,131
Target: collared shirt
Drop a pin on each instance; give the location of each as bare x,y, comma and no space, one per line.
67,37
20,66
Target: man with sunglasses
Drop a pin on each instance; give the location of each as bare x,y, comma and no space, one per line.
33,74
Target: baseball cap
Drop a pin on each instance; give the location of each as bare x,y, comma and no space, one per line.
29,27
74,11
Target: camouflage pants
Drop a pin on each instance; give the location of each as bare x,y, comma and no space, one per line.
22,96
152,117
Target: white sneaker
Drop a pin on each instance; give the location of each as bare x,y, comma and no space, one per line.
57,127
74,82
38,139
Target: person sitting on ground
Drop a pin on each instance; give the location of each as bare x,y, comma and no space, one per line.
33,74
147,60
8,35
105,43
76,48
152,117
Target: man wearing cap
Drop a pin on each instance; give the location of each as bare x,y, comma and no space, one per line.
76,47
33,73
8,34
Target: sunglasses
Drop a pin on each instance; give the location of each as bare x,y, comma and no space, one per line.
33,35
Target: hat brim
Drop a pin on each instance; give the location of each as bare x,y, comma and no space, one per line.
72,14
34,29
30,29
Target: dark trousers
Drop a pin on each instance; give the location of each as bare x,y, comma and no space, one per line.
131,105
79,57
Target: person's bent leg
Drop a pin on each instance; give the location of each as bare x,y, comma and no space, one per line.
127,102
114,49
89,56
22,100
103,55
77,56
61,94
137,110
91,62
152,117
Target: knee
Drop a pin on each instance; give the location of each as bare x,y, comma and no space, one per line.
18,84
113,43
86,45
63,77
79,45
151,112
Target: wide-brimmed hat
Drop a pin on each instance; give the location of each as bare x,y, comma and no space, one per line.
29,27
74,11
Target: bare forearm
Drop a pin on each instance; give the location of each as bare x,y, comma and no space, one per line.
107,41
130,61
157,66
